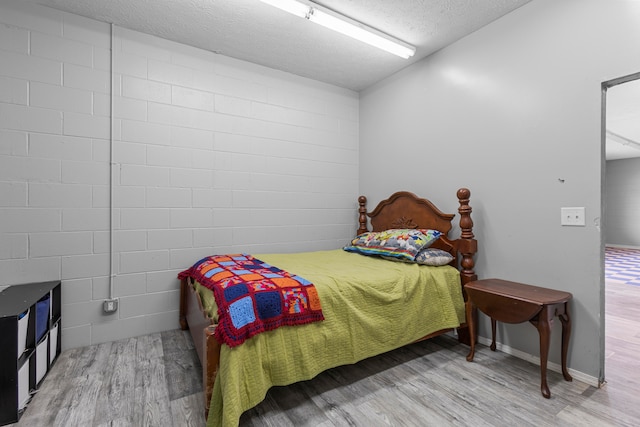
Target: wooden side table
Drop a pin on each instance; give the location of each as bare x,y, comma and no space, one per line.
513,302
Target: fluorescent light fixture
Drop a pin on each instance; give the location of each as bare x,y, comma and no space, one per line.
292,6
344,25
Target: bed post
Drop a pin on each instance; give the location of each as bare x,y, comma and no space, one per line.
362,218
183,304
210,365
467,246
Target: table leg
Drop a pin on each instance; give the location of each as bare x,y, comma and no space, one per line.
544,329
565,319
472,329
493,334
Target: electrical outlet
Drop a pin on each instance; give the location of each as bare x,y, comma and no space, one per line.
572,216
110,305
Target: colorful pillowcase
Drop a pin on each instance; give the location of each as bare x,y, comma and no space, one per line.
433,256
398,243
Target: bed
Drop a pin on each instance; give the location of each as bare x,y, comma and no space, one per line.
362,317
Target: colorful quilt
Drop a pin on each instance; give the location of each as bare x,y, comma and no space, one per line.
253,296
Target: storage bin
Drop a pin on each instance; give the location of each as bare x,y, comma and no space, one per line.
42,361
23,386
53,342
42,316
23,323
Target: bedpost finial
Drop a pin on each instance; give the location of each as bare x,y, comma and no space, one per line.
466,223
463,193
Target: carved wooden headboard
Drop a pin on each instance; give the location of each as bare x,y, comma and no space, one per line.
406,210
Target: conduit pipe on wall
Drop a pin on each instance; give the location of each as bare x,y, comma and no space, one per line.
112,165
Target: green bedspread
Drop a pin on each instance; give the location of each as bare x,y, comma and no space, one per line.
371,305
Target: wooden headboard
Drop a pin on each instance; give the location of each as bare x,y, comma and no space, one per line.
406,210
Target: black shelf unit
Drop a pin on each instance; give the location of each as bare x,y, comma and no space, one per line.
22,373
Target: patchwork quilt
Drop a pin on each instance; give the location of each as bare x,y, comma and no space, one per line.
253,296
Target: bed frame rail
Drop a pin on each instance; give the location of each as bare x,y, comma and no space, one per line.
202,332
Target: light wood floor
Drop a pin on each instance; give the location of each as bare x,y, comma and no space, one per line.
155,381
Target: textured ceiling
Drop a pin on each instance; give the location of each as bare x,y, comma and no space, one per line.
253,31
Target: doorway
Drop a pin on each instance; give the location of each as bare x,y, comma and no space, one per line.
621,290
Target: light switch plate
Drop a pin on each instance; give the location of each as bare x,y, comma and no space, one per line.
572,216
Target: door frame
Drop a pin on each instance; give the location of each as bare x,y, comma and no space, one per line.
603,136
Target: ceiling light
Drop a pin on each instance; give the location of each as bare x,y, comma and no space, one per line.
292,6
344,25
622,140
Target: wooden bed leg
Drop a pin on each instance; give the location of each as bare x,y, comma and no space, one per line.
183,304
467,247
210,364
464,337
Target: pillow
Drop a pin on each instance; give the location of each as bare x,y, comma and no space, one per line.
433,256
399,243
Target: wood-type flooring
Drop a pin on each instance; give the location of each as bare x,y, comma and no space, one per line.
155,380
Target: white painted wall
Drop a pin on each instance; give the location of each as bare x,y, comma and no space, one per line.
622,202
210,155
513,112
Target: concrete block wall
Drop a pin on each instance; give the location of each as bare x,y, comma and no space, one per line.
180,152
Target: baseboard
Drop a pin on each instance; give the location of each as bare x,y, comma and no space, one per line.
614,245
577,375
